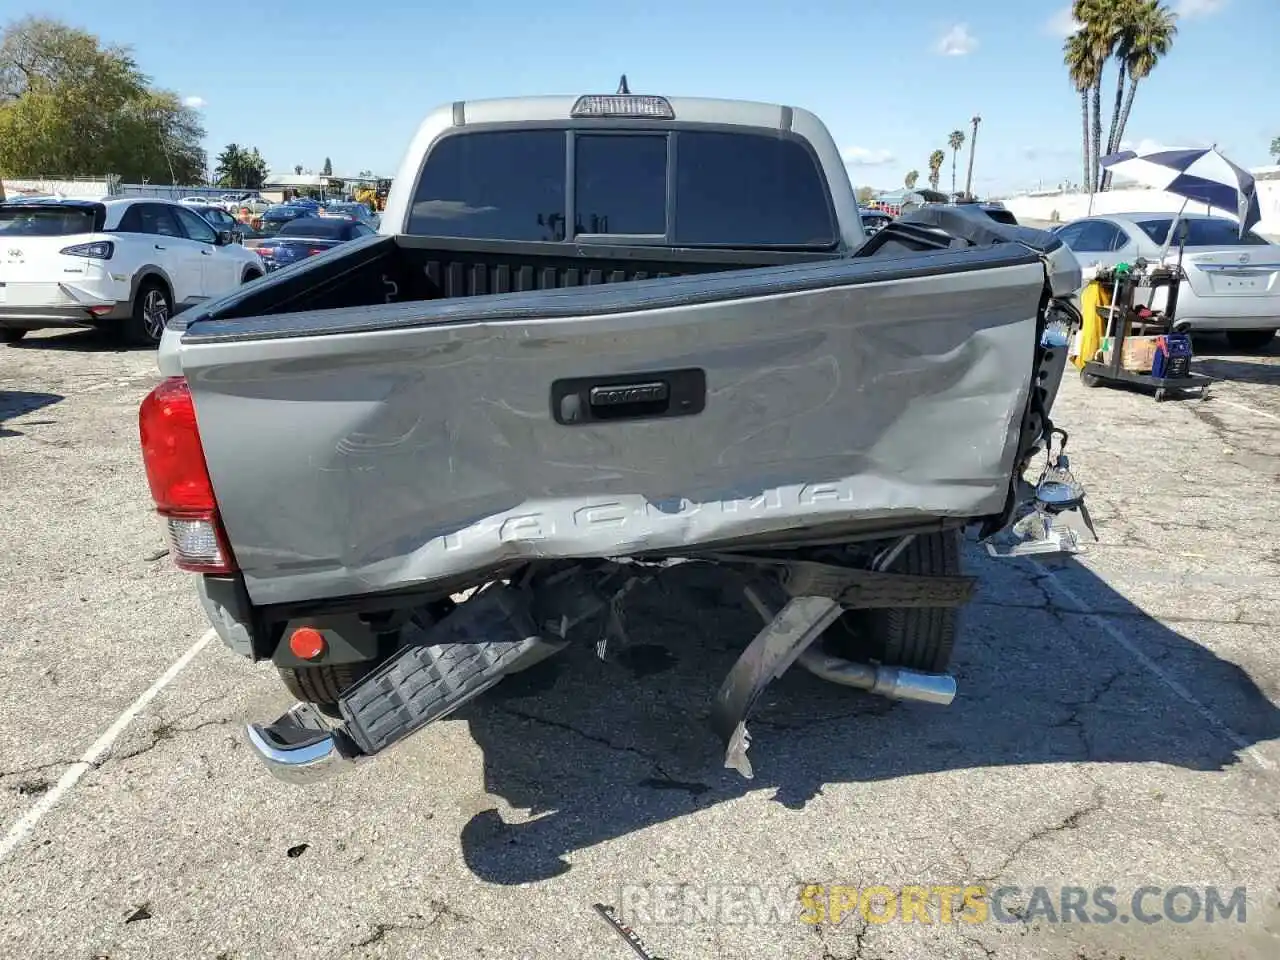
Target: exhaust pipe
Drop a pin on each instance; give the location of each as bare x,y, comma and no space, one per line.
899,683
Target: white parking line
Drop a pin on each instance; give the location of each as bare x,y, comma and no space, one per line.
29,821
1245,407
1247,750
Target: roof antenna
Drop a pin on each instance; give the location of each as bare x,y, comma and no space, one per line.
623,89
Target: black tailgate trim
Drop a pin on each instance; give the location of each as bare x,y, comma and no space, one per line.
607,299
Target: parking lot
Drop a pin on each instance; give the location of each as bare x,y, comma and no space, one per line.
1117,725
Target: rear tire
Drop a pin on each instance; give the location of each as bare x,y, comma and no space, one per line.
12,334
250,276
1250,339
920,638
322,686
1090,379
152,308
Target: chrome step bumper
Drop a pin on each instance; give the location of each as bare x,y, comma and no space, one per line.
300,746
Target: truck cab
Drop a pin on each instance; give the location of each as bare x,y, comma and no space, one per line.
633,169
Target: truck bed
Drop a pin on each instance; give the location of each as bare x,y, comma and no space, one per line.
376,271
408,411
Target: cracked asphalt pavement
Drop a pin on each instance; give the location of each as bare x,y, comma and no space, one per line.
1116,726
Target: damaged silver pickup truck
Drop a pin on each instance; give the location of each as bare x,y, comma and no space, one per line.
598,337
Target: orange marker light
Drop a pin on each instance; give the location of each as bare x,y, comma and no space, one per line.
307,643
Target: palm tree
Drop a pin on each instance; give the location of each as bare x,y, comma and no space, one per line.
1100,35
1082,69
1146,36
1119,18
911,178
973,142
955,141
936,159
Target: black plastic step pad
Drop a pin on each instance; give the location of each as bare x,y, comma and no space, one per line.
485,638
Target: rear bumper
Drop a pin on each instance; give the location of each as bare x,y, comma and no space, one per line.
1212,313
81,315
1214,323
300,747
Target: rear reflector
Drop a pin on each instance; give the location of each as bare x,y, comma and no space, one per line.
307,643
179,479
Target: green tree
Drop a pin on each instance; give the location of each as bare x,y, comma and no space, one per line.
955,140
936,160
1275,148
865,195
298,169
238,167
327,169
71,106
911,178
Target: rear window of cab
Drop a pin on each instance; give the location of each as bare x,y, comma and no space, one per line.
683,187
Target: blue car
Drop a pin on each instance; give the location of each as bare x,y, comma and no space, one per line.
305,237
273,218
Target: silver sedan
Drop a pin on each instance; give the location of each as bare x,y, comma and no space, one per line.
1231,284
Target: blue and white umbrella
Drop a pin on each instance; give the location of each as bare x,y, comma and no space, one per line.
1203,175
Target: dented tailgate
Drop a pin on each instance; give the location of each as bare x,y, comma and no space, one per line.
354,451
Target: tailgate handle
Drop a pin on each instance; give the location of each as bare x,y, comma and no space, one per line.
641,396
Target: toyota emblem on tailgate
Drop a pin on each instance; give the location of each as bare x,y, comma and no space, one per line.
1244,258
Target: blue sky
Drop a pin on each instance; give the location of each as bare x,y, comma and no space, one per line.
303,81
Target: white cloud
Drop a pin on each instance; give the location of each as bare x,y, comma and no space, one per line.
1042,152
1190,9
1145,145
195,103
957,41
1062,24
866,157
1149,145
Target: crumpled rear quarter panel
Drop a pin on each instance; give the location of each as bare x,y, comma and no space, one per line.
358,462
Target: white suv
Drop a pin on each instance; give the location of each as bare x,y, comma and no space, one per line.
126,264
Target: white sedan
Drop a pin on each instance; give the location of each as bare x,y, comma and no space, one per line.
1231,284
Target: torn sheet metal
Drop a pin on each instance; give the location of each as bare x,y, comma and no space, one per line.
766,658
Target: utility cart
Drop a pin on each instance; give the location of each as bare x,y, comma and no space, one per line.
1138,328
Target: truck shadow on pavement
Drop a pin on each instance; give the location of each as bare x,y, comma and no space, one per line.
596,751
79,341
18,403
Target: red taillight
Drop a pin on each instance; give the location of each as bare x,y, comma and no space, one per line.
179,479
314,250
